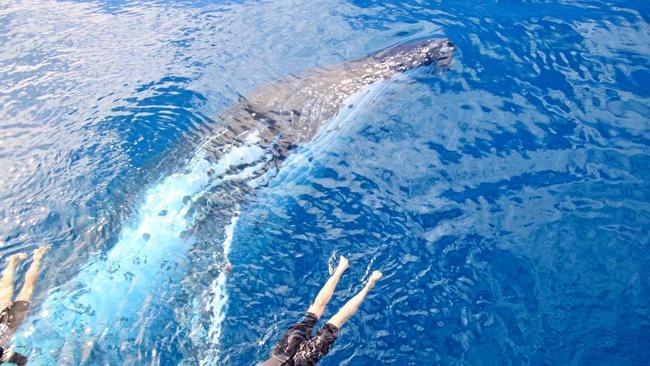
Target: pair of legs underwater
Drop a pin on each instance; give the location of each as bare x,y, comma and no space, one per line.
350,307
13,312
297,347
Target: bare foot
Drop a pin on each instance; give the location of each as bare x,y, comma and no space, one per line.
40,252
343,264
15,258
374,277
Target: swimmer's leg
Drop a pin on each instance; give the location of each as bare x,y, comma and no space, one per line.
327,291
315,348
31,276
301,331
353,304
7,280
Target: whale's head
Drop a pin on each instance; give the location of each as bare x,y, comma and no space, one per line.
411,55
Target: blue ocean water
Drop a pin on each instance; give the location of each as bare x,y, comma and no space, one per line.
506,199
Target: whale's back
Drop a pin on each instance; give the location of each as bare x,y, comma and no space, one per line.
289,112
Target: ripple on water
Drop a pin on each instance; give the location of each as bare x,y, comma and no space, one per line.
506,200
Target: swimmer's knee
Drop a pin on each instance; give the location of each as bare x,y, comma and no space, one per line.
317,310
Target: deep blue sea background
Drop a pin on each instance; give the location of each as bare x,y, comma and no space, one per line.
506,200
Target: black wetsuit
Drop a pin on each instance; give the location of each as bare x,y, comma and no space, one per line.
10,319
298,348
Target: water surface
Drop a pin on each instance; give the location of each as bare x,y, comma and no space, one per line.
506,200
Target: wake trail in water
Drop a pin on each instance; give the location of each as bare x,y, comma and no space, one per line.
104,305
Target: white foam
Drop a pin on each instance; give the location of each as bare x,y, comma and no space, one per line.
217,305
150,251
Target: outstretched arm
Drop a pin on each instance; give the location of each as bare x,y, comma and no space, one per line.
353,304
327,291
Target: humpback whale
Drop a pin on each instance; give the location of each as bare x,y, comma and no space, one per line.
288,112
101,315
